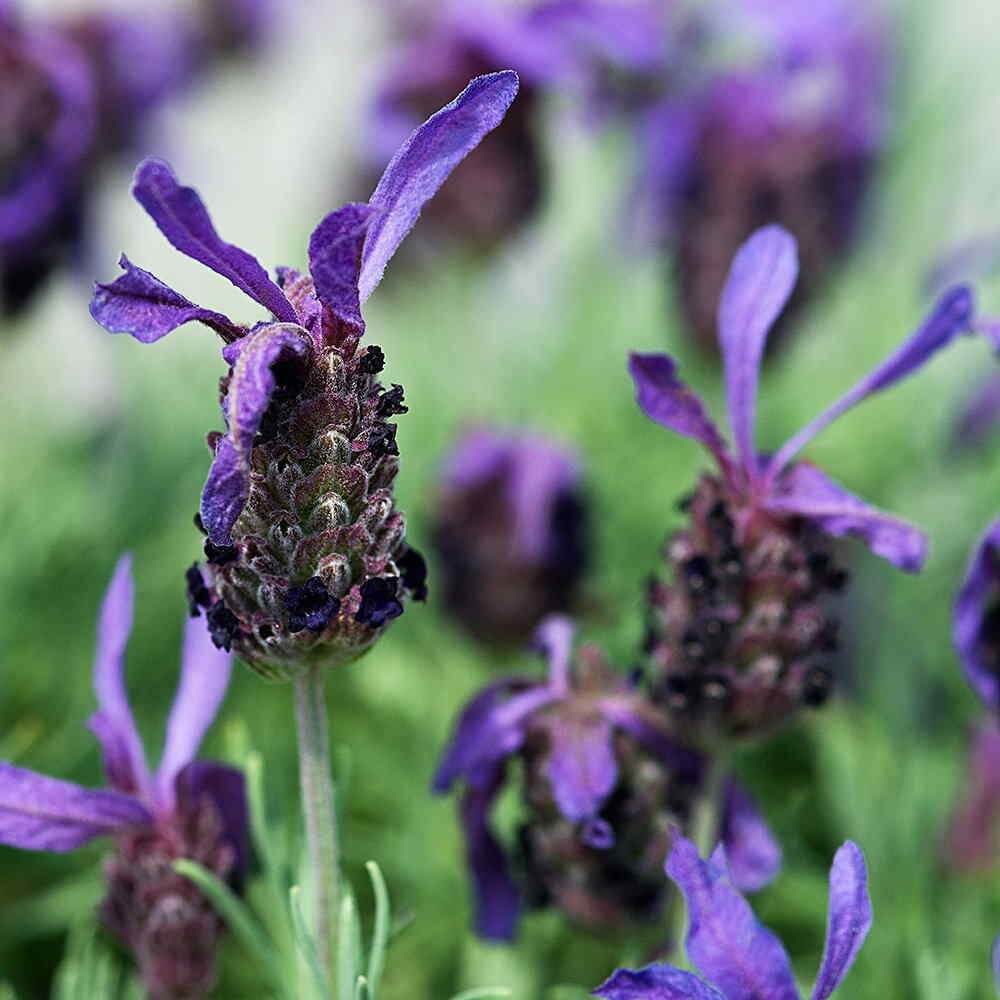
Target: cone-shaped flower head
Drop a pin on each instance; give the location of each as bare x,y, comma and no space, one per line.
974,837
738,634
186,808
305,551
602,786
737,957
47,120
510,532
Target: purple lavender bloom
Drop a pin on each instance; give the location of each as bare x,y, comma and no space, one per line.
186,808
739,634
47,122
603,783
511,533
739,958
975,826
306,555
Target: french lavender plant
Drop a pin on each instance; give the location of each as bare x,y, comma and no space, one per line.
738,957
185,809
974,838
602,787
739,633
510,530
306,563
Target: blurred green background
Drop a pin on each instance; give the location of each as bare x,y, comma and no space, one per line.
103,451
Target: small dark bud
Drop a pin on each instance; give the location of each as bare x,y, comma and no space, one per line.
698,575
223,626
372,361
379,603
391,402
382,440
817,687
220,554
199,524
310,606
413,573
198,594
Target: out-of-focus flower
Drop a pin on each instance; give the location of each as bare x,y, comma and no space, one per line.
739,632
979,418
184,809
230,28
974,837
602,786
739,958
511,533
47,122
306,562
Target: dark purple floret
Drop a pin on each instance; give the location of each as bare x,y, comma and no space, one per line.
220,554
223,626
382,440
310,606
413,570
198,594
390,403
379,603
372,361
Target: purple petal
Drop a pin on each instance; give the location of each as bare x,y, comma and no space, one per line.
995,961
951,315
335,249
554,638
39,813
251,386
423,163
582,767
760,282
981,585
656,982
849,919
226,787
806,491
497,903
113,724
666,400
753,856
138,303
740,956
205,674
183,219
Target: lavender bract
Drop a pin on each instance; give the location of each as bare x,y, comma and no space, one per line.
186,808
511,533
306,559
738,957
739,633
603,784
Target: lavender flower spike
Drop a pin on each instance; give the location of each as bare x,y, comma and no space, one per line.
306,562
739,634
597,766
185,809
738,957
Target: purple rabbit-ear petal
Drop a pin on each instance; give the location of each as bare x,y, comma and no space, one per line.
39,813
138,303
252,383
952,315
205,672
554,638
667,401
423,163
226,787
760,282
805,491
728,946
753,855
113,724
497,901
849,919
335,250
982,581
181,216
582,768
656,982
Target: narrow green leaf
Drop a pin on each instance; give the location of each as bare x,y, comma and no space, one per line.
348,947
380,929
305,943
362,989
484,993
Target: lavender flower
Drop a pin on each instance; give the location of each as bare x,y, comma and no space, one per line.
184,809
306,562
47,120
739,633
975,827
603,784
510,532
738,957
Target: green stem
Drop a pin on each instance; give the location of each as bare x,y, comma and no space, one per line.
318,809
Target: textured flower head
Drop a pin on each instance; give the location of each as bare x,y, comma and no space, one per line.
47,121
184,809
306,561
738,957
738,634
602,787
511,533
